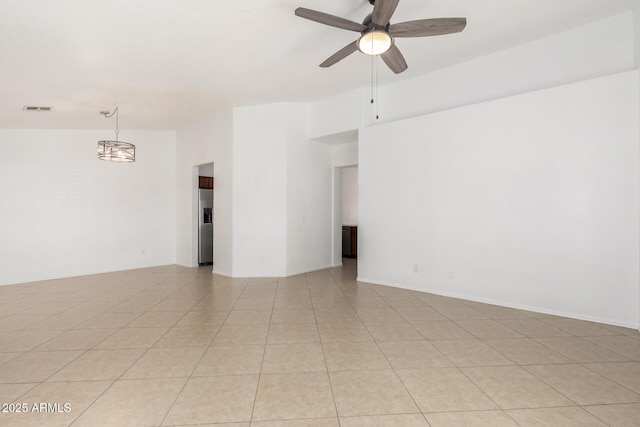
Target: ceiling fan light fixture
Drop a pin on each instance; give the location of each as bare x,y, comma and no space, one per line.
375,42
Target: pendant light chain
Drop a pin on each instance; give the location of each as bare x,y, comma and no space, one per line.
117,124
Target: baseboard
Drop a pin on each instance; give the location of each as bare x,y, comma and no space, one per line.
534,309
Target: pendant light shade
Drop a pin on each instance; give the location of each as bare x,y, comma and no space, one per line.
116,151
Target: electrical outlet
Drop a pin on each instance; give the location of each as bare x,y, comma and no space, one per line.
415,268
451,275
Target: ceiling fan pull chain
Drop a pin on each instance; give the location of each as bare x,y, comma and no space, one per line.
377,85
372,93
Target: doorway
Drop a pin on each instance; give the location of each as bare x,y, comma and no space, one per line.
205,214
345,216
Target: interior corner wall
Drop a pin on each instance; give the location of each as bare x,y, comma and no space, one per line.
529,201
66,213
206,140
309,191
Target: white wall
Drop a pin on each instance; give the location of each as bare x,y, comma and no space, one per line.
529,201
350,196
260,136
65,213
206,140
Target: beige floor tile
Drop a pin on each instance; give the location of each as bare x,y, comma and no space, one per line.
248,317
351,356
337,315
627,374
132,338
287,358
166,363
488,329
5,357
286,302
330,302
407,420
230,360
512,387
220,399
203,318
293,292
293,316
370,393
337,332
413,354
579,327
524,351
19,322
582,385
241,334
108,320
471,419
291,396
581,350
565,417
76,339
380,314
132,403
534,328
157,319
11,392
293,333
254,304
624,345
617,415
444,389
496,312
63,403
182,305
440,330
440,301
359,301
390,291
404,301
19,341
97,365
188,336
393,331
314,422
460,313
420,313
35,366
251,292
471,353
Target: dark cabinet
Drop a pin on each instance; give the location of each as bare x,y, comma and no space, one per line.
349,241
205,182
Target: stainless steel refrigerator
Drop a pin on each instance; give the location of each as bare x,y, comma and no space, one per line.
205,227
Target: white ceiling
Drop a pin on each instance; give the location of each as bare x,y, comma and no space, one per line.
165,62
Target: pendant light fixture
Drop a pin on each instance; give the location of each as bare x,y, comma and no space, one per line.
115,151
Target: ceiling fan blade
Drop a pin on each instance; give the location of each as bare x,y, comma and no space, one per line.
332,20
382,11
340,55
428,27
394,60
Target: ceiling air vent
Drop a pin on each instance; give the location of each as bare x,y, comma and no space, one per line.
36,108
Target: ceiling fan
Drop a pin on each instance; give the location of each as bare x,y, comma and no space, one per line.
377,34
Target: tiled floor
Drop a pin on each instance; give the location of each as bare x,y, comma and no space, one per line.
173,346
